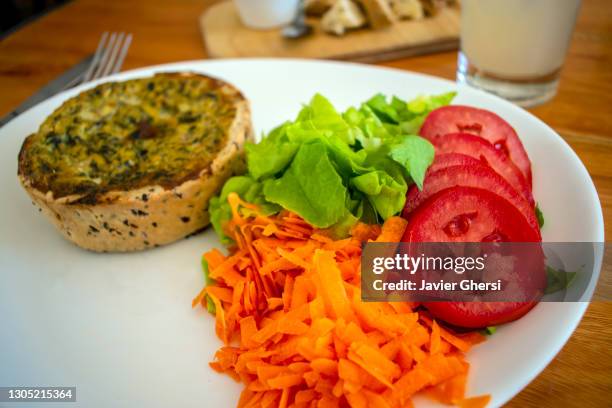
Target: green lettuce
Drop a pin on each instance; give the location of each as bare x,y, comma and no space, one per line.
311,187
539,215
210,306
415,154
413,113
271,156
490,330
558,279
249,190
334,169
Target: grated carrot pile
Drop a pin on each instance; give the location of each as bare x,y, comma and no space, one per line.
288,308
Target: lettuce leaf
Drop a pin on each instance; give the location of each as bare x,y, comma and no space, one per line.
272,155
407,116
370,131
390,195
210,306
384,110
386,194
415,154
413,113
321,115
490,330
334,168
311,187
249,190
558,279
539,215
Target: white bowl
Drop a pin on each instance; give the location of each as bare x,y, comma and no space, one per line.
264,14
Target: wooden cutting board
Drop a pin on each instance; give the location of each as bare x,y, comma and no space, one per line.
226,37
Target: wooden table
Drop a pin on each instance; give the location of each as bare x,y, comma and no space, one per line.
166,31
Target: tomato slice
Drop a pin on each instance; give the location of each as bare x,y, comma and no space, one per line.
475,315
479,122
484,151
468,214
474,175
445,160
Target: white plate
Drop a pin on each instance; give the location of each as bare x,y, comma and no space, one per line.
120,326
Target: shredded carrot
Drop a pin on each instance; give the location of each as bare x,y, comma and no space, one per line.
392,230
364,232
475,402
462,342
450,391
296,333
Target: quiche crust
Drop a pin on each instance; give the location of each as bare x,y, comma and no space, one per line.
118,219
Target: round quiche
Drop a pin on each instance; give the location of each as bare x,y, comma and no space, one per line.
130,165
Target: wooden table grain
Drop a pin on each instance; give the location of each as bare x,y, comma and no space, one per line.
166,31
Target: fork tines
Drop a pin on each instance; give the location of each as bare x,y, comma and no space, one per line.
109,56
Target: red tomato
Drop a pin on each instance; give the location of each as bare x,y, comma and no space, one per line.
474,175
479,122
484,151
475,315
468,214
445,160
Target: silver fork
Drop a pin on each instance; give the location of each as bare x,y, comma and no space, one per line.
108,58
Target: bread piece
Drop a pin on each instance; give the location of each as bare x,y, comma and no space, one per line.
407,9
317,8
379,13
431,7
343,15
131,165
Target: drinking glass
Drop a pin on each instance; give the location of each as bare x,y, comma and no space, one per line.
515,48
